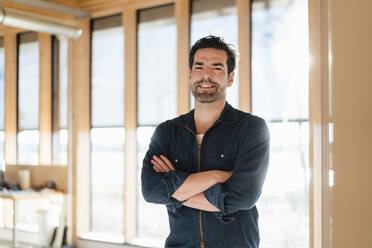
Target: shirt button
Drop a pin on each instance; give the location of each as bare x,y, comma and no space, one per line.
222,155
176,160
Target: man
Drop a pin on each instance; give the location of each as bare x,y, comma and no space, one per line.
208,166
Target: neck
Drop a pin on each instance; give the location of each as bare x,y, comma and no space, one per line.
206,114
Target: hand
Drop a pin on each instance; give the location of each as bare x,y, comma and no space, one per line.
222,176
162,164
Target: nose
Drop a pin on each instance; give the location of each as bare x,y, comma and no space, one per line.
207,74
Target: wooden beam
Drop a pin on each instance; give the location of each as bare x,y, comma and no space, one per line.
100,8
82,124
45,118
10,115
130,168
72,147
10,124
244,26
319,121
40,13
182,14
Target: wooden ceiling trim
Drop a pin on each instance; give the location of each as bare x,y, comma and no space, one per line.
100,8
40,13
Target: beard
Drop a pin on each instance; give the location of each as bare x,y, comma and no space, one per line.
208,97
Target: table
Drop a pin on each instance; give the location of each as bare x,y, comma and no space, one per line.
25,195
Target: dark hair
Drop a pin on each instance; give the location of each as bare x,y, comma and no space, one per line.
216,42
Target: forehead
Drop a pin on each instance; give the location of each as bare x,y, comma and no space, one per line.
212,55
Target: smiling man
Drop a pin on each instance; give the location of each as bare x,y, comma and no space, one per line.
208,166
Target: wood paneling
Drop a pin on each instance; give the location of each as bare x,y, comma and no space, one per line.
351,200
130,168
40,174
45,49
244,22
182,14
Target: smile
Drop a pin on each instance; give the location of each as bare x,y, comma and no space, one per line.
205,86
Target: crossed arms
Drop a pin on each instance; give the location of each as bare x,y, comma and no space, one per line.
191,190
215,191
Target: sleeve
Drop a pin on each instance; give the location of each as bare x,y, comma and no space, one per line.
159,187
242,190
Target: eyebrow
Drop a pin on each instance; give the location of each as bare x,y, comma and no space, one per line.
214,64
218,64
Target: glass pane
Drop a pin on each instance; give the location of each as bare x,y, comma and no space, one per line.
280,59
39,215
60,143
150,233
217,17
28,147
107,179
2,88
63,81
28,85
60,97
108,77
285,194
157,82
279,94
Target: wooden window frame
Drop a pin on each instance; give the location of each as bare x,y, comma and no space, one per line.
79,104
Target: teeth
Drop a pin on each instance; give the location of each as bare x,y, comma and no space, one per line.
205,86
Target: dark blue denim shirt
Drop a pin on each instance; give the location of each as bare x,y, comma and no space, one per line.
237,142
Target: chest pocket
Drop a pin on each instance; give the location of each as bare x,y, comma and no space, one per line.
221,161
183,161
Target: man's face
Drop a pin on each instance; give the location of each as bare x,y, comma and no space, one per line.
209,75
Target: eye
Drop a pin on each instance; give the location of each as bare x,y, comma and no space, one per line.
217,68
198,67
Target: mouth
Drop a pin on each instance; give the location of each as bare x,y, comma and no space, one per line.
206,86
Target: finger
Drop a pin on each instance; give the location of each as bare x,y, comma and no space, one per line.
161,163
157,167
167,162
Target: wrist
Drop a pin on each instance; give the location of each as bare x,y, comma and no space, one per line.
217,176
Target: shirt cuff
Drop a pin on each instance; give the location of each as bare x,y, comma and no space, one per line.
173,180
216,196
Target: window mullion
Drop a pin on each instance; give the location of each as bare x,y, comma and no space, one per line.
244,27
130,182
45,119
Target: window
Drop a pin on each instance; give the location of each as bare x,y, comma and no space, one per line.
217,17
280,95
28,99
2,99
157,102
107,128
60,97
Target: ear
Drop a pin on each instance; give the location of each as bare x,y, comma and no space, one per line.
189,73
230,79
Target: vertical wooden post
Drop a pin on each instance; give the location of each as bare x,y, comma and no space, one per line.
244,23
10,115
182,13
82,124
319,121
130,168
45,117
10,124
